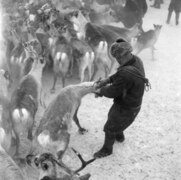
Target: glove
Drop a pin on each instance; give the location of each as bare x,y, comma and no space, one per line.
100,83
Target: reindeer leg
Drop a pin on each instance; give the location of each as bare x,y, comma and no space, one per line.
94,72
106,69
54,82
81,74
30,129
65,141
43,97
30,136
63,81
42,102
76,120
71,67
17,145
89,72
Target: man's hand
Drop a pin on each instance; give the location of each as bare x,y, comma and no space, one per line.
98,93
100,83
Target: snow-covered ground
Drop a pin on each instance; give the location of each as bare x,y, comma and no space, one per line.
152,149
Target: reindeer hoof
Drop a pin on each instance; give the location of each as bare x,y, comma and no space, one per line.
83,131
52,91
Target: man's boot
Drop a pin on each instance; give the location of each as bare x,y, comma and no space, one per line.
120,137
107,148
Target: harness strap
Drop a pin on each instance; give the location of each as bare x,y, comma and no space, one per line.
138,74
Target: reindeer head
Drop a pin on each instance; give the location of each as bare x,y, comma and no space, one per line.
157,27
33,49
79,21
52,169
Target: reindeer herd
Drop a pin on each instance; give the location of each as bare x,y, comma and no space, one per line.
66,37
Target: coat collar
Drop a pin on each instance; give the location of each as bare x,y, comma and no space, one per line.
128,63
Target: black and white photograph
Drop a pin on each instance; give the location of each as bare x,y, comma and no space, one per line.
90,90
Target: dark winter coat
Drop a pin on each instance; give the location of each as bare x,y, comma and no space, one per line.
175,5
127,90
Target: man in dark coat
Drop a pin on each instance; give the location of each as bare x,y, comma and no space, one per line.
175,5
126,87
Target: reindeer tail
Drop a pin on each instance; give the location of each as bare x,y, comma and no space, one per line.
20,114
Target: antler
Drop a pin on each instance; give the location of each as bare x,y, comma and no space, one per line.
84,163
29,48
68,170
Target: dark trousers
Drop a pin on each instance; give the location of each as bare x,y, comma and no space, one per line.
177,15
119,119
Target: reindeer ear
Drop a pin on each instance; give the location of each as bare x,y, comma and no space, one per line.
47,178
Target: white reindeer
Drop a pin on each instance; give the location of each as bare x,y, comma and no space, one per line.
55,125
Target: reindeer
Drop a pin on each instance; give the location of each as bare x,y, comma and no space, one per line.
21,61
147,40
125,33
93,35
25,100
101,58
52,169
5,120
55,125
8,168
61,53
85,56
6,124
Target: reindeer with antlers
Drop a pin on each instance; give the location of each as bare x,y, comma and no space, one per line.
51,169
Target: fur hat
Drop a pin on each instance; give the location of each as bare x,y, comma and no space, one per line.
120,48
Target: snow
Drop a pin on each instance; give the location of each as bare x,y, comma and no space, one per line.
152,148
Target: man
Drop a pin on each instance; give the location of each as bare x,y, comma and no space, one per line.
126,87
175,5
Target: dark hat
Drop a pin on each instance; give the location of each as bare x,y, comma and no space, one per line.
120,48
